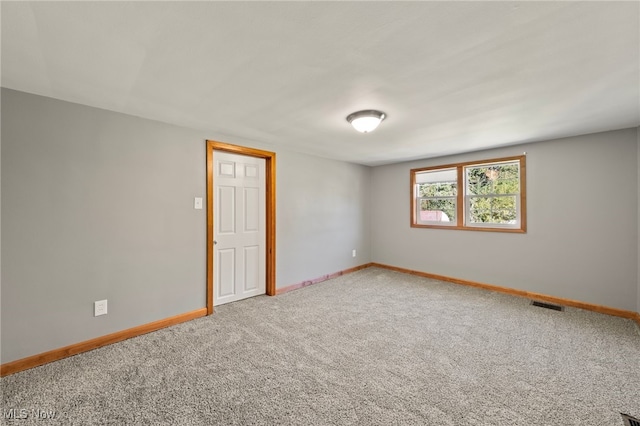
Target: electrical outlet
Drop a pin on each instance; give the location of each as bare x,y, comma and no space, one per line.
100,308
353,253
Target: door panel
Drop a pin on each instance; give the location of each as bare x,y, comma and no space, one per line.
239,210
251,209
226,273
251,268
226,214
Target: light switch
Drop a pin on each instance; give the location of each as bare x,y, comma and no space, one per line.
197,203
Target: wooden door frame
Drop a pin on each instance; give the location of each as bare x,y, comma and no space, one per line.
270,226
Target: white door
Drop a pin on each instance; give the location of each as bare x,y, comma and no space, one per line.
239,262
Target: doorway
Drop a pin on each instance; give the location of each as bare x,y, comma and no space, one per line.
240,223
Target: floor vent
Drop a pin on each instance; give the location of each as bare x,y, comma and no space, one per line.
550,306
630,421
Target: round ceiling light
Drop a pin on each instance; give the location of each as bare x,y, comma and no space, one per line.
366,121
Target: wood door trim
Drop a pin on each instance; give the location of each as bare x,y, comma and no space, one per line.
270,226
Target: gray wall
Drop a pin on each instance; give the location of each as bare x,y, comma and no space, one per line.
582,239
99,205
638,195
322,216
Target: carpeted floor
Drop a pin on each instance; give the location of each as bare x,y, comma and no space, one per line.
370,348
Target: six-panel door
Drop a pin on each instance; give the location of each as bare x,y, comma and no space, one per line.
239,262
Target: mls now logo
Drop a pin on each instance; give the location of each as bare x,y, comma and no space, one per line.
23,413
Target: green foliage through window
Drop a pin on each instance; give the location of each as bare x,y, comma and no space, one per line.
437,189
441,197
496,186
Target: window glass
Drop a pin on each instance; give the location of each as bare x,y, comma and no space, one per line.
492,193
437,196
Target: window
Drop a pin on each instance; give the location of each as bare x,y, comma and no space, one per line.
482,195
436,197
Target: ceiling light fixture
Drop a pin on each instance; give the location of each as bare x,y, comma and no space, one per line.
366,121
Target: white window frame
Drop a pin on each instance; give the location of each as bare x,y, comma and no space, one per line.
468,197
419,200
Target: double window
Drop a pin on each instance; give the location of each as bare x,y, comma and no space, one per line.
482,195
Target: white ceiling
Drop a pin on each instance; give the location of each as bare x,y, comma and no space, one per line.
451,76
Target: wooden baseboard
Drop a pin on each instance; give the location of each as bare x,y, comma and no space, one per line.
521,293
320,279
67,351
